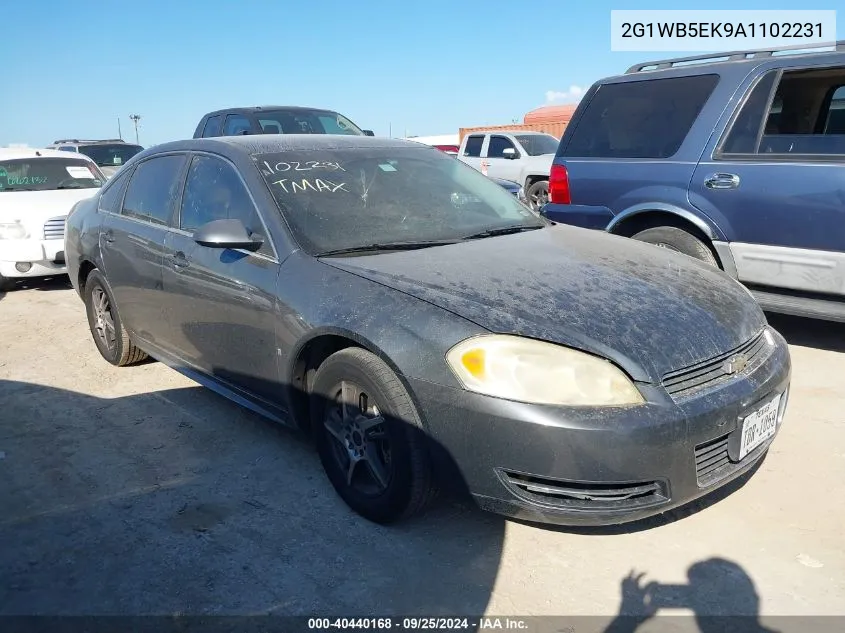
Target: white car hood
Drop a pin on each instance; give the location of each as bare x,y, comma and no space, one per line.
34,208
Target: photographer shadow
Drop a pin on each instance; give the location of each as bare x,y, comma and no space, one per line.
719,592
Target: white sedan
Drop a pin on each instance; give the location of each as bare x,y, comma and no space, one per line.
38,188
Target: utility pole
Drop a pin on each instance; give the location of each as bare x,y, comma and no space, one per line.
119,133
135,118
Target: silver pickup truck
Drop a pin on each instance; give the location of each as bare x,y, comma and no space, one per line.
522,157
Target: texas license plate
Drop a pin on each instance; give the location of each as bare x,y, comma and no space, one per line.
759,426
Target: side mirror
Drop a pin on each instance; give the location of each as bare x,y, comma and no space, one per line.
509,153
369,133
226,234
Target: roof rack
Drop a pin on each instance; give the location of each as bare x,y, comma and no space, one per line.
732,56
76,140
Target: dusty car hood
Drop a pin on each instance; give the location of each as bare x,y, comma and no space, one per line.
650,310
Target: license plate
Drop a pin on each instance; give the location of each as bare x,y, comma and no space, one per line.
759,426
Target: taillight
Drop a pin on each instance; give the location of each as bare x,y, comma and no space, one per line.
559,185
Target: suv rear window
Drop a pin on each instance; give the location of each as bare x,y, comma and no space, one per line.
110,155
640,119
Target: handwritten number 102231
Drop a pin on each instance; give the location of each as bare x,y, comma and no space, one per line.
310,165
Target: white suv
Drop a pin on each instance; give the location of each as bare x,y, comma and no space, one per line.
38,188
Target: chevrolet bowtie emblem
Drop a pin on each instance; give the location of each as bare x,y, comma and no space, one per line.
735,364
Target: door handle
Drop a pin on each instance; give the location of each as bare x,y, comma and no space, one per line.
722,181
108,236
179,261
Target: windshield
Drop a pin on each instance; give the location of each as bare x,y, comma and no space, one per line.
306,122
350,198
45,174
110,155
538,144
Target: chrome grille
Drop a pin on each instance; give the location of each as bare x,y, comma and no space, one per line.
54,228
686,382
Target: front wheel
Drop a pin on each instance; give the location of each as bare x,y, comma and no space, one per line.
538,194
678,240
369,437
112,340
6,284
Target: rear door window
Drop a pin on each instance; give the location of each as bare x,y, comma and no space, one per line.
803,116
497,146
473,145
153,189
236,124
835,123
213,126
112,194
640,119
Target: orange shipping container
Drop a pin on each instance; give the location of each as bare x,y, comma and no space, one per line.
549,119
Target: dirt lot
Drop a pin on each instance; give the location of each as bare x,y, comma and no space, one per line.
135,491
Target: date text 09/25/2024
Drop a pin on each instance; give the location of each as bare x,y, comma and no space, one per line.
422,624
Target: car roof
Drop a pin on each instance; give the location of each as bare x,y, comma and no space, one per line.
266,108
509,131
270,143
105,141
12,153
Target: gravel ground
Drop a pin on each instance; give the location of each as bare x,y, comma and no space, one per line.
135,491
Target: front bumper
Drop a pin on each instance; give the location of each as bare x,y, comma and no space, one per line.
46,257
516,458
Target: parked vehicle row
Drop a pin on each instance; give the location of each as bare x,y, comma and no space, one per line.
428,329
523,157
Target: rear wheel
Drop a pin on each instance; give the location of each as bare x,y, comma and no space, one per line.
111,339
538,194
678,240
369,437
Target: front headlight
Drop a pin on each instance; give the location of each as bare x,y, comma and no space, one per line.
13,231
526,370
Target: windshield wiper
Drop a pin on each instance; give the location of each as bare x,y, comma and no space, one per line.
21,189
503,230
387,246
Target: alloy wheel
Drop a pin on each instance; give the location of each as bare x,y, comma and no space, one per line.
360,443
103,318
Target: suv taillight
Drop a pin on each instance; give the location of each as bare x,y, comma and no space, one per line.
559,185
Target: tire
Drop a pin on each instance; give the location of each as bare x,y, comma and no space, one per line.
6,284
678,240
538,194
111,339
395,447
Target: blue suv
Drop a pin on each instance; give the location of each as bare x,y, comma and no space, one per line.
737,159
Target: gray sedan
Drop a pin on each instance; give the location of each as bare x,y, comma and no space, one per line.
428,329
